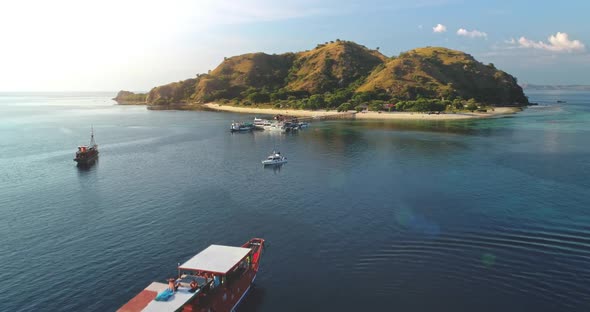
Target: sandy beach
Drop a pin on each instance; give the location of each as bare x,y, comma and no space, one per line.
498,111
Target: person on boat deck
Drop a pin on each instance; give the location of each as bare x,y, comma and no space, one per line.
194,285
171,284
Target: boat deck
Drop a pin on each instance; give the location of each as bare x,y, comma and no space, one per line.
181,296
234,270
142,299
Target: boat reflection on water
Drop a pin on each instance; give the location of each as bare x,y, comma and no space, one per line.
87,166
275,168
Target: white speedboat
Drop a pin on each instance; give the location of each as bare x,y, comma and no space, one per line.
275,126
261,123
274,159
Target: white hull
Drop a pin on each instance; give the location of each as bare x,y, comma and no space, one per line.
274,128
277,162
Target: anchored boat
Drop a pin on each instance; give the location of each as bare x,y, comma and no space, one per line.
241,127
216,279
87,154
274,126
274,159
261,123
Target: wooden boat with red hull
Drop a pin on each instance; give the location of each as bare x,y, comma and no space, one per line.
216,279
87,154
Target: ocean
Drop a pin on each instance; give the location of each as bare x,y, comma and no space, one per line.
471,215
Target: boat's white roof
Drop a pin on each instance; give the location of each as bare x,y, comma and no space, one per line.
180,298
216,258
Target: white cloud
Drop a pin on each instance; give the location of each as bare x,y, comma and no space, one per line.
559,42
420,26
471,34
439,28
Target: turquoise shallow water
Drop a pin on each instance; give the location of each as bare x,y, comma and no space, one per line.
486,215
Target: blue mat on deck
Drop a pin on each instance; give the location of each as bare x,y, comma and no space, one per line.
165,295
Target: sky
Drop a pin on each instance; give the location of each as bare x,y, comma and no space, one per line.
109,45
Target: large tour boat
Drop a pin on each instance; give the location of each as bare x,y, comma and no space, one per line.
216,279
87,154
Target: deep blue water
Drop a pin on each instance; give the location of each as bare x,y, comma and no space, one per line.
486,215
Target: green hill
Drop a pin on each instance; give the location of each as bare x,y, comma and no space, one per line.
434,72
343,72
331,66
239,73
173,93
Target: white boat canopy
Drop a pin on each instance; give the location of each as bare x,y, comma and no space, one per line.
216,259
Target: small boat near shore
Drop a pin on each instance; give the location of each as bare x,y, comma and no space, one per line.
216,279
280,123
282,126
241,127
261,123
87,154
274,159
275,126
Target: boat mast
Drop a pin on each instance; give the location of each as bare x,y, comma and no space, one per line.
92,143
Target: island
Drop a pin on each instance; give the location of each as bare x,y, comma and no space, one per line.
130,98
556,87
343,76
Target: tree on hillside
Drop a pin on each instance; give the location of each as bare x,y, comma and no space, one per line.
316,101
471,105
362,97
336,99
259,97
376,105
345,107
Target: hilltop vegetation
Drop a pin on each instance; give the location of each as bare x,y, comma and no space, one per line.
444,73
331,66
344,75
